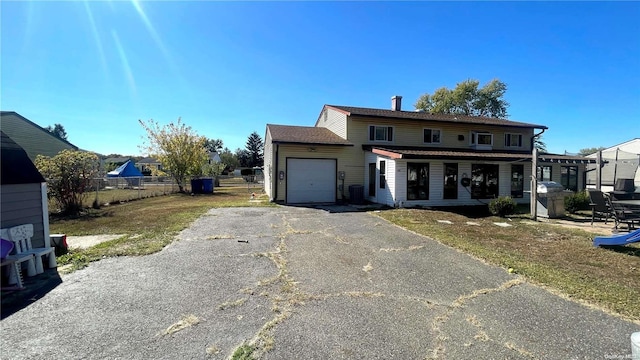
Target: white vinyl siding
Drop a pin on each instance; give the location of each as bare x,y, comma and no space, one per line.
436,183
268,165
334,121
452,135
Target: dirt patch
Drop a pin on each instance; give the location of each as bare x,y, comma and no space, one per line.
83,242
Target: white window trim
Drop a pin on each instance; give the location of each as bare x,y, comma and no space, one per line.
393,132
508,135
476,133
432,130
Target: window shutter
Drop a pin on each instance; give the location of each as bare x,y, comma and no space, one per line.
389,133
372,133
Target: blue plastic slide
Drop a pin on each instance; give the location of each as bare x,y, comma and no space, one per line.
622,239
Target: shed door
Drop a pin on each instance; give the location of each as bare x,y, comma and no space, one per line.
311,181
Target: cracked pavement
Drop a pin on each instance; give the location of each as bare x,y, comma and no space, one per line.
306,283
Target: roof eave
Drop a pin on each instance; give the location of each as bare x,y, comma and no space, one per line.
516,125
287,142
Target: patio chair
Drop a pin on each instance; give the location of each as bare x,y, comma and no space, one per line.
21,236
624,215
598,201
18,258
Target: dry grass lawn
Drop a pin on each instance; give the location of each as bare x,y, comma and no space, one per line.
150,224
558,257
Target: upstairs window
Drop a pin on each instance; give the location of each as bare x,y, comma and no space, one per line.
431,136
380,133
481,138
513,140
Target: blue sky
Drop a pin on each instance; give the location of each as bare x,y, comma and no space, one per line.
229,68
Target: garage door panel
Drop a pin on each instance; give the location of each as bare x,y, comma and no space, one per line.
311,181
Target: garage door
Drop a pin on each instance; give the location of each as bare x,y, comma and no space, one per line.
311,181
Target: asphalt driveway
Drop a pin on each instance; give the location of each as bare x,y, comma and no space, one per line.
306,283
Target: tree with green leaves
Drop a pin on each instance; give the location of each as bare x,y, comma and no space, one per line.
467,99
179,148
255,149
589,151
58,131
539,144
214,145
244,157
69,174
229,159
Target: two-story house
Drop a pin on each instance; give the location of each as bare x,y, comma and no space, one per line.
408,158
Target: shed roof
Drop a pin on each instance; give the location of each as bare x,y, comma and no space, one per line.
308,135
15,166
420,115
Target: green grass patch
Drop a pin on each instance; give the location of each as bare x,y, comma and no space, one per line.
243,352
560,258
148,224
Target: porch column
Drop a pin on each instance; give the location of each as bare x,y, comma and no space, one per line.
534,184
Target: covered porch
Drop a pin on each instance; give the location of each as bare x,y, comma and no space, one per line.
409,177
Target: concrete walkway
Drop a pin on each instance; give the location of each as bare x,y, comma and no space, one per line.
306,283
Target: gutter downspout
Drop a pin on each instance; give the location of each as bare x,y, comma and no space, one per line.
534,178
275,176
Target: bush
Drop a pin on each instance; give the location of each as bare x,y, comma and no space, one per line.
577,201
502,206
68,175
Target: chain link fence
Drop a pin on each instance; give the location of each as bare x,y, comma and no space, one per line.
104,191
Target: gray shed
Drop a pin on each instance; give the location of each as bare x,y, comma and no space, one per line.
23,191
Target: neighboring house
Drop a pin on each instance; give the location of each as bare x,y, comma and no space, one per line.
408,158
116,160
24,191
214,157
618,162
149,164
31,137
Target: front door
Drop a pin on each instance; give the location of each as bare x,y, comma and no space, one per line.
450,181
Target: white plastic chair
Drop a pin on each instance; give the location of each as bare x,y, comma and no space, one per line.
18,258
21,236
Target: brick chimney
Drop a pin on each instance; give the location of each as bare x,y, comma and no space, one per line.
396,103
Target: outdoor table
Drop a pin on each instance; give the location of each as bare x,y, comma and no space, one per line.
630,203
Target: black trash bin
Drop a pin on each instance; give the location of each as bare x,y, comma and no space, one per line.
197,187
356,194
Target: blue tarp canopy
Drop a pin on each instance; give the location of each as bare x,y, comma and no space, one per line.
125,170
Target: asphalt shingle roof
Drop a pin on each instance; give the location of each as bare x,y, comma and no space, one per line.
415,115
423,153
305,135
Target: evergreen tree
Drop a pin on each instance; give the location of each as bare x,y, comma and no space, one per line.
255,149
